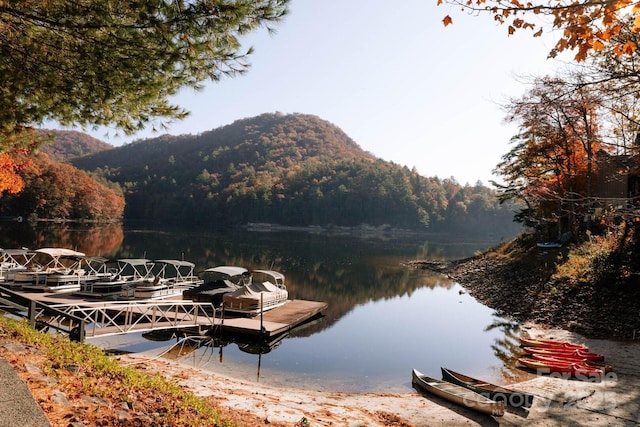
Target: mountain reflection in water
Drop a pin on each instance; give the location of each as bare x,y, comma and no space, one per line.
383,318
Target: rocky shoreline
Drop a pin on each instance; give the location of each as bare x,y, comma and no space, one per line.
528,292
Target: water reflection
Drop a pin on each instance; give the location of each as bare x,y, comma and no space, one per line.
382,318
343,271
506,348
372,348
185,347
104,240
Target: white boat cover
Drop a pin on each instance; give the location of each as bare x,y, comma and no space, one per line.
265,290
135,261
229,270
274,277
175,262
60,252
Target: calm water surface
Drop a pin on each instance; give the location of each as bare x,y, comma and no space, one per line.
383,318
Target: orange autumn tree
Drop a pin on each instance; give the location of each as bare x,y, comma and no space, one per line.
588,25
14,158
10,181
552,164
618,82
59,190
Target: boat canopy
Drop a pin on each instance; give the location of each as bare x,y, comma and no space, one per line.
59,252
135,261
17,256
15,259
96,264
135,268
229,270
96,259
278,278
175,262
16,252
178,269
58,258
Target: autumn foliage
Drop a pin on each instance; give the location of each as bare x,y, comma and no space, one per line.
61,191
585,25
15,149
561,165
10,181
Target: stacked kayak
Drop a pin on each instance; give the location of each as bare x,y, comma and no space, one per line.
562,357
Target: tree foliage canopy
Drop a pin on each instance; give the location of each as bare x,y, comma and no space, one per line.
586,25
113,63
554,155
61,191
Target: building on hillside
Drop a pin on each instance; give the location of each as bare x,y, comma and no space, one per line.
617,183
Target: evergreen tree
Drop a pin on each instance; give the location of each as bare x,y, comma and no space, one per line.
113,63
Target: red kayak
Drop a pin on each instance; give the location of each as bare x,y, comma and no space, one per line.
573,359
578,370
544,343
567,353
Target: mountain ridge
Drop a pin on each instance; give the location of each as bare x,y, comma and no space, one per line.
70,144
243,134
286,169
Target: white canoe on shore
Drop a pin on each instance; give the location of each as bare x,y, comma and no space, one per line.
458,394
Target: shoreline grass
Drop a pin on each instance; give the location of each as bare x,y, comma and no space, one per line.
102,376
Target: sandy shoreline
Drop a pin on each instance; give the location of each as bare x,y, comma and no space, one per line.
615,401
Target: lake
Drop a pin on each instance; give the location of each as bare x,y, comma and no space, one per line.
383,318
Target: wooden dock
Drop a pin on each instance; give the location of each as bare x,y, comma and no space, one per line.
120,317
273,322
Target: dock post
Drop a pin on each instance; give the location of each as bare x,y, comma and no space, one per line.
83,332
261,312
78,333
32,313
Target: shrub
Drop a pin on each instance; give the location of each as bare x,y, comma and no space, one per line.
586,263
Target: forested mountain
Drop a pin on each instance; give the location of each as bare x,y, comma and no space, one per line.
64,145
291,170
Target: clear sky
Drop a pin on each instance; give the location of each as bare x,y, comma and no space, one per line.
390,75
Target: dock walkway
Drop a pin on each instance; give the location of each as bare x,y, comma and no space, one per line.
119,317
274,322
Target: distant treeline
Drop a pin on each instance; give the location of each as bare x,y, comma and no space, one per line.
293,170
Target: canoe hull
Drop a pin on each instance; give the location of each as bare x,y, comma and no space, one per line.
567,353
513,398
457,394
551,344
574,359
566,368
